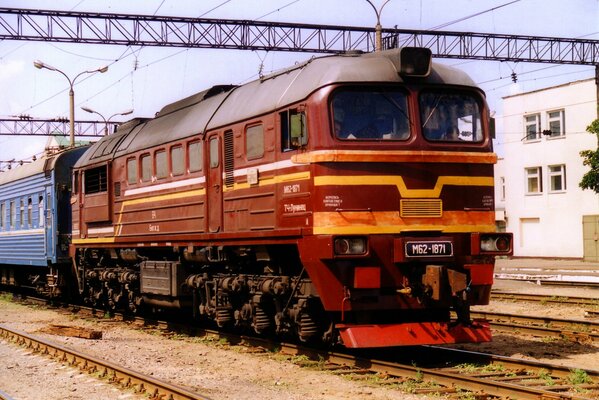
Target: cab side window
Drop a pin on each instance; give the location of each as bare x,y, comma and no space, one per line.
294,133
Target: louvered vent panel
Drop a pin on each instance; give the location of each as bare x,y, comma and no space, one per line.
421,208
229,159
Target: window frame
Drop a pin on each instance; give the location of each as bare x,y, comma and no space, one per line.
537,123
561,118
538,175
561,173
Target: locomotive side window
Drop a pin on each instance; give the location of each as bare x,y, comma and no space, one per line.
293,130
177,161
360,114
131,171
146,168
96,180
254,142
214,156
161,164
450,117
194,154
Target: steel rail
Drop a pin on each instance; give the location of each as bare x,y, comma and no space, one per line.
504,389
542,326
117,374
5,396
541,298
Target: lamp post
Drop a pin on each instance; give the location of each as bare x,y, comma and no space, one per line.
40,65
378,29
106,120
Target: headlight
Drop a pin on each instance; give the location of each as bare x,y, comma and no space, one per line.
492,243
349,246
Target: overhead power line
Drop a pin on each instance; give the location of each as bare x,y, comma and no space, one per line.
146,30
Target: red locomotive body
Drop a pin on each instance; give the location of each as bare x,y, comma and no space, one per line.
349,198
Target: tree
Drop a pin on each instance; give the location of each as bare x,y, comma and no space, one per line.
590,180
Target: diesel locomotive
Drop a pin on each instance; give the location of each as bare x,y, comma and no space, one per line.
347,199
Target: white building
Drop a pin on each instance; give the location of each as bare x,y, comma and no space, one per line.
537,178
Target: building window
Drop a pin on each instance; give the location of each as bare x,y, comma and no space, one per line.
532,125
194,153
557,178
161,164
534,180
2,215
131,171
177,160
556,122
254,142
146,168
502,188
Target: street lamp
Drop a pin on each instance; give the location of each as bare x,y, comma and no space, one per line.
40,65
106,120
378,29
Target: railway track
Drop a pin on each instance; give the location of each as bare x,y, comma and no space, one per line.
452,372
126,378
582,301
577,330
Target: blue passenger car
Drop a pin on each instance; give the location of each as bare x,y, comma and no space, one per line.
35,220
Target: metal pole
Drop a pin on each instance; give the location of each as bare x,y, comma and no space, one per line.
72,116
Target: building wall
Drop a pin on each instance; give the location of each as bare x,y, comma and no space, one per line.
547,223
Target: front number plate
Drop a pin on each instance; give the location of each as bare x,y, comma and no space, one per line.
429,249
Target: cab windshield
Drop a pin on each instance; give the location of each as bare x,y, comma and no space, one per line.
370,114
450,117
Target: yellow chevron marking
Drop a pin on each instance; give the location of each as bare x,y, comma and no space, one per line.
364,180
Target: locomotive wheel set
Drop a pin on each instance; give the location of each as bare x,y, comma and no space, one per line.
348,199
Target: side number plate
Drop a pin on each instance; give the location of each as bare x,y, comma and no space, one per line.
441,248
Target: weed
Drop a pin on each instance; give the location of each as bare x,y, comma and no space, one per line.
579,377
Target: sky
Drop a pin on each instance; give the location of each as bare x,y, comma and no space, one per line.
147,78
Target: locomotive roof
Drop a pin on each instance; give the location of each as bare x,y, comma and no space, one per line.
226,104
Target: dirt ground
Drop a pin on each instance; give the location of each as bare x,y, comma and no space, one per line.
224,372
